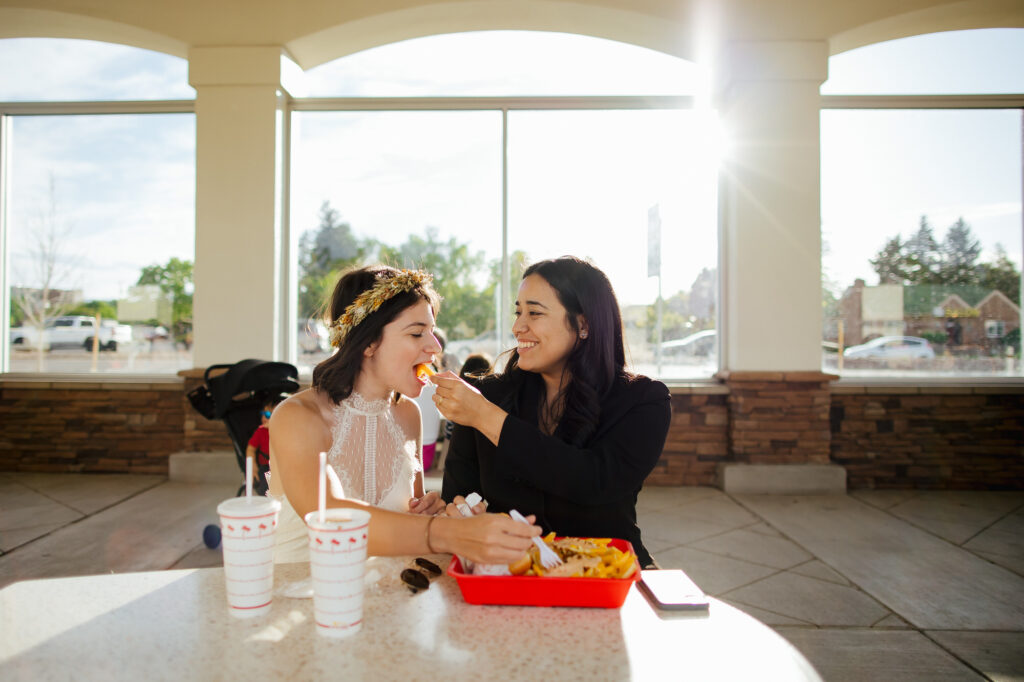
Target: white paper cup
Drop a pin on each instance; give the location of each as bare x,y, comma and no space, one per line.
247,534
337,564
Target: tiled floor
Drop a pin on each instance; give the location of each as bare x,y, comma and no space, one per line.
894,585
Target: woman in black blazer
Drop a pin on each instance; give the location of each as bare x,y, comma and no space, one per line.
564,432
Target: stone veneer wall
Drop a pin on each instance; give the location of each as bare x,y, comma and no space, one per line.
74,426
698,438
939,437
778,417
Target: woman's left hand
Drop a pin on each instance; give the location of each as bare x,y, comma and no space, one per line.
429,504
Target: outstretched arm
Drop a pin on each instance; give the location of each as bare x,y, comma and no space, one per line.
298,435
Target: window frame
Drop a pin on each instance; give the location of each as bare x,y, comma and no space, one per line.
463,104
933,102
11,110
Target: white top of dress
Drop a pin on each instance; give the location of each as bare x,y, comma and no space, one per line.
374,458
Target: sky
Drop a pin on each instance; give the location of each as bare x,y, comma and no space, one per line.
579,182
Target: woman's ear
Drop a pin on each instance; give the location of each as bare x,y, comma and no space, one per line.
371,349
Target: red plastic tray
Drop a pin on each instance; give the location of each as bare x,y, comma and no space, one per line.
518,590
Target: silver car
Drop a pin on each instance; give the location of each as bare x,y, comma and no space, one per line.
892,347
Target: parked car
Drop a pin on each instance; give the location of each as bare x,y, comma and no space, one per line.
703,344
892,347
73,330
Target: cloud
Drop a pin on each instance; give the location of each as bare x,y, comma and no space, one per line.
46,69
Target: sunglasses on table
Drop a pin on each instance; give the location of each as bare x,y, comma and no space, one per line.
419,578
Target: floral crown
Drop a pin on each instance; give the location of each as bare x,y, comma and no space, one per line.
372,299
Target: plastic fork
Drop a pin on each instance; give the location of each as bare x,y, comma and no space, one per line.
548,558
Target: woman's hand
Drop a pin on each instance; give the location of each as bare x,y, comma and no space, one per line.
487,538
463,404
458,401
453,507
429,504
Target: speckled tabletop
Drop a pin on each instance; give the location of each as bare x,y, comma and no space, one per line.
175,625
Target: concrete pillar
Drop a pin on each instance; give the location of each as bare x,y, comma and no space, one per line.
238,307
768,96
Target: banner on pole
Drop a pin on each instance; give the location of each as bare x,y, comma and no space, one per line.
654,241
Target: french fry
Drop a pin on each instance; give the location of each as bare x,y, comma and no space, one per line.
587,557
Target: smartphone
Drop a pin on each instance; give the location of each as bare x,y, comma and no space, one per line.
672,590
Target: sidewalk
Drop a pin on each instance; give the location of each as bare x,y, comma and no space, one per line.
895,585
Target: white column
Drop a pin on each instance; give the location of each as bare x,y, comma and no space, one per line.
770,203
238,307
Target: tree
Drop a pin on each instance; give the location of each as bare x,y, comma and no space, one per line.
960,252
1001,274
888,263
455,268
922,260
517,264
42,299
913,262
323,254
105,309
175,280
922,256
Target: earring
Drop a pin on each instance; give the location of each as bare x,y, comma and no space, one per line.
583,334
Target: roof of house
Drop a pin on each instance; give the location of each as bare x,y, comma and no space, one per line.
922,299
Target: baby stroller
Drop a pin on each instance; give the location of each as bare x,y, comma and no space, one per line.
237,397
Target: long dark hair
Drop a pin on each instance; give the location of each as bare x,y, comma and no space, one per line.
336,375
593,363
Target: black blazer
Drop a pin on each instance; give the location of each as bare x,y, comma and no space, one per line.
586,491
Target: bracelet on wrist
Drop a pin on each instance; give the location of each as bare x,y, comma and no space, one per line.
429,546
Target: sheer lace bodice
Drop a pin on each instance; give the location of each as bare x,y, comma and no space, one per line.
371,454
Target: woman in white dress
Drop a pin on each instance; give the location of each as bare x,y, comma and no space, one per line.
359,412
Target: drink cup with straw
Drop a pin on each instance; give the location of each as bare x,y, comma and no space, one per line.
337,563
247,533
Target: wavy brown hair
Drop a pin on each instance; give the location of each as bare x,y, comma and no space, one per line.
336,376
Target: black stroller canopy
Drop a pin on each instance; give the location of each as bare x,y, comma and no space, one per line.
237,397
250,378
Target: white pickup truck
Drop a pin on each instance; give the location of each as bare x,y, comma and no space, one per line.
73,330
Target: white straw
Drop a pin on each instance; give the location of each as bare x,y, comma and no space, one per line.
248,480
323,485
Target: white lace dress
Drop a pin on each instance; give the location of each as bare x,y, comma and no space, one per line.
375,460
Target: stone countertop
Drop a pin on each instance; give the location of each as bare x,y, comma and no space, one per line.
176,625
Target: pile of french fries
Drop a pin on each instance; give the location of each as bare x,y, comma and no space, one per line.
583,557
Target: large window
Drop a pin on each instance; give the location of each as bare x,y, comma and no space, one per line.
416,188
478,178
921,207
100,220
589,183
